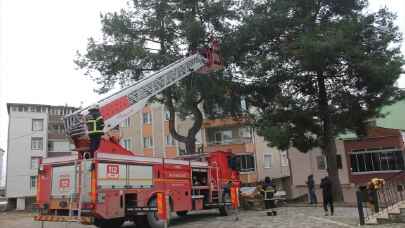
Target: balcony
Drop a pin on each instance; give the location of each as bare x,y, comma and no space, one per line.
55,118
57,135
236,145
208,123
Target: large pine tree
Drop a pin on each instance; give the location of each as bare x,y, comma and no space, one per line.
318,68
149,35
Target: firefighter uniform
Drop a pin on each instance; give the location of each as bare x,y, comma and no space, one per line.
95,126
372,187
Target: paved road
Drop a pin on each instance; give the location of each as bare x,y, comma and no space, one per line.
288,217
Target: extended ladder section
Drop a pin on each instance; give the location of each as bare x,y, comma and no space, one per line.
121,105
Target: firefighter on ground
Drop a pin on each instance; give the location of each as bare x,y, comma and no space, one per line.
372,186
95,126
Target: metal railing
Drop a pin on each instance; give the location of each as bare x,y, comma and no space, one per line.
372,203
231,141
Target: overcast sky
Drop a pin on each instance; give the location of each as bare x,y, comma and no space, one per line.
38,42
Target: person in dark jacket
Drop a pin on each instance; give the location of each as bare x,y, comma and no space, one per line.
95,126
311,190
327,193
267,183
268,193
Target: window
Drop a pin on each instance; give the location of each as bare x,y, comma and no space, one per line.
245,163
243,105
339,161
20,108
321,161
370,161
147,142
267,161
182,151
36,143
170,140
244,132
127,122
127,144
34,163
147,118
37,124
223,137
33,183
284,158
167,115
217,109
50,146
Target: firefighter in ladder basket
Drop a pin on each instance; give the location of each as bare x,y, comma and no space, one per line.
95,126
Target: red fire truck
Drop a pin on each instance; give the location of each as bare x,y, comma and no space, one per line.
112,185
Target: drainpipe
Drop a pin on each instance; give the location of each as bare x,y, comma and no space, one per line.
252,133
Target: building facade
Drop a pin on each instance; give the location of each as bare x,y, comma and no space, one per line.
35,131
380,154
147,133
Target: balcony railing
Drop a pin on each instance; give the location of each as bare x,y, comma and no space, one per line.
55,118
231,141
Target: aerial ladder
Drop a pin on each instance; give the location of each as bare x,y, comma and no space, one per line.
117,107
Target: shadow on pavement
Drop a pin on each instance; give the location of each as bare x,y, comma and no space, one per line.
190,218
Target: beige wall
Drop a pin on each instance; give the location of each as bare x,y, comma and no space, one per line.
304,164
134,132
276,169
158,130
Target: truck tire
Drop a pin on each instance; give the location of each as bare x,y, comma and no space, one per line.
225,210
153,220
109,223
181,213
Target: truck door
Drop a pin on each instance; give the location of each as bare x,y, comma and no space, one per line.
64,181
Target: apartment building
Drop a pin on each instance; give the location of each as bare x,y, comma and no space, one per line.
2,153
256,159
35,131
147,133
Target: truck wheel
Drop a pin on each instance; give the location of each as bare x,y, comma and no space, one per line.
227,209
109,223
153,219
181,213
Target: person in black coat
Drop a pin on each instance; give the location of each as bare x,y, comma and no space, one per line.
311,190
327,193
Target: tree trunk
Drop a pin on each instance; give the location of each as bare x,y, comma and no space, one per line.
328,140
188,140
